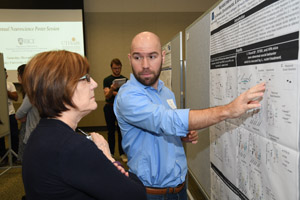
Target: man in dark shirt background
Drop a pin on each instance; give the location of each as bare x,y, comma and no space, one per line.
111,89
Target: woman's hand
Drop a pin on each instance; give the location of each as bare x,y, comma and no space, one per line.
121,168
102,144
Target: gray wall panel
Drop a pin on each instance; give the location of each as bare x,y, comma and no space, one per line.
197,96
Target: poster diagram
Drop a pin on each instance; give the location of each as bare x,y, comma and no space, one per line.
166,73
257,155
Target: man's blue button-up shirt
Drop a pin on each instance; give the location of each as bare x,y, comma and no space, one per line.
152,129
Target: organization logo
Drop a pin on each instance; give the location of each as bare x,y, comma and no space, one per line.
20,41
71,42
24,41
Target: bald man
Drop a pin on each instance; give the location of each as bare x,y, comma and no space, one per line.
153,128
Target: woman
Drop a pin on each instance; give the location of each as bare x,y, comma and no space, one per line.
20,70
59,163
28,115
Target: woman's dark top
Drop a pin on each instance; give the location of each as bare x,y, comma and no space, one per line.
59,163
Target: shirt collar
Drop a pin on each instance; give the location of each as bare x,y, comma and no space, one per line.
136,82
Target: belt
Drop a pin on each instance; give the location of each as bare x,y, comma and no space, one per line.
160,191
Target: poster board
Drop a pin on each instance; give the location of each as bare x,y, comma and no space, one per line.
256,156
177,69
171,74
197,97
4,126
242,43
166,73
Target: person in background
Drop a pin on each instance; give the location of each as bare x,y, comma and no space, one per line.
59,163
23,122
111,89
13,124
153,128
28,116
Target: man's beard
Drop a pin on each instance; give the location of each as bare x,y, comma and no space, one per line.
147,81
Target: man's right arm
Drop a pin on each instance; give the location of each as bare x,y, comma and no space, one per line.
250,99
109,89
109,92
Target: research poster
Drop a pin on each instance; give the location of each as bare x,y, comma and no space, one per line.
166,73
256,156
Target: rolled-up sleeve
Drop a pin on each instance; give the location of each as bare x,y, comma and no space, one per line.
139,109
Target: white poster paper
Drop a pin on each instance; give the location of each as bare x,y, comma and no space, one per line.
252,42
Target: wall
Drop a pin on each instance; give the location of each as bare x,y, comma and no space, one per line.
108,35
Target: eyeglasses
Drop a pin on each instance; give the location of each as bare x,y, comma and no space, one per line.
86,77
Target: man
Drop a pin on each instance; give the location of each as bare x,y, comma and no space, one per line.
12,96
153,129
111,87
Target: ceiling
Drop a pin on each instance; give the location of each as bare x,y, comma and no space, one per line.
148,6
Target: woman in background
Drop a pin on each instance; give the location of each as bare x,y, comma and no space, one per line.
20,70
28,115
59,163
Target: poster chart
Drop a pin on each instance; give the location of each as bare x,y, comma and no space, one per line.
166,73
256,156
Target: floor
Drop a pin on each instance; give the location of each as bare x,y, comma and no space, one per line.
11,184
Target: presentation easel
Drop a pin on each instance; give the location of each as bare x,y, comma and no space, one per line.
9,153
4,126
